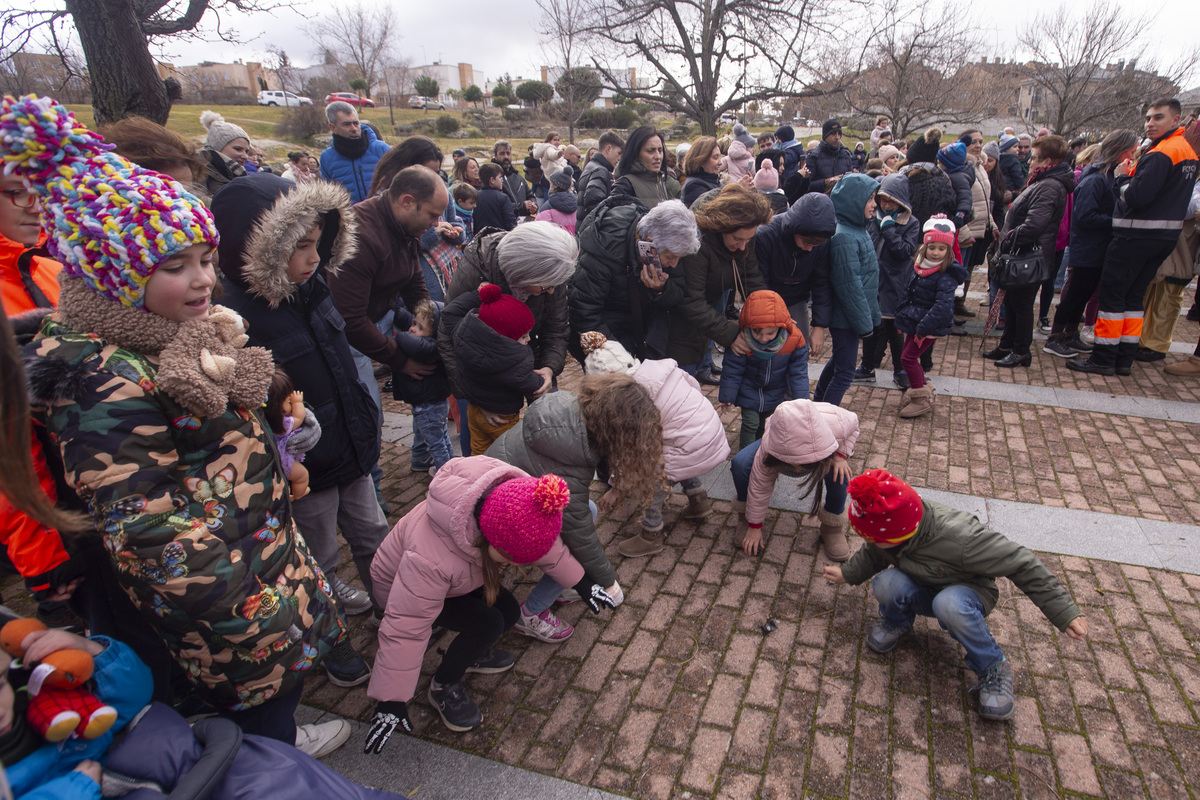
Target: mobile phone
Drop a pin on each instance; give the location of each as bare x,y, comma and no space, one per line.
648,256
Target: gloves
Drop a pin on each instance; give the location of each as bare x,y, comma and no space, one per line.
388,715
593,594
306,437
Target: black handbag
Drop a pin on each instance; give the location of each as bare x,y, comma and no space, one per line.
1018,270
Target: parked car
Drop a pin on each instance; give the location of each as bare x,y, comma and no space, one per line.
425,103
270,98
728,118
351,98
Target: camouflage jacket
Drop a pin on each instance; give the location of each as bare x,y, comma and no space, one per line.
195,514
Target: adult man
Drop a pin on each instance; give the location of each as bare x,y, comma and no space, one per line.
831,160
355,151
1152,199
595,183
1025,151
387,266
515,187
573,156
765,142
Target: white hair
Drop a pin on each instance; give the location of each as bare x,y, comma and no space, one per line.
537,254
337,107
672,227
1025,137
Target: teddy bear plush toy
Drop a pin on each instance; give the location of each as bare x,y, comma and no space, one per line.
59,706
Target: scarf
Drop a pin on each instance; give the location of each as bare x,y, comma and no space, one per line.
352,149
926,267
768,350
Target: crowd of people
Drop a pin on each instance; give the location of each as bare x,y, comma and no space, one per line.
188,464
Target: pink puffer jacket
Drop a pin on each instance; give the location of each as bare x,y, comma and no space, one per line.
799,432
694,441
431,555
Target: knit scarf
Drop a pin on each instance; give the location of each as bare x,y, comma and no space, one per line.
1038,174
351,148
926,267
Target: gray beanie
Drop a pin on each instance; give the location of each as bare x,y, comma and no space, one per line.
992,150
562,180
220,132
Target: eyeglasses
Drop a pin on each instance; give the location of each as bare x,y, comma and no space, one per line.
20,197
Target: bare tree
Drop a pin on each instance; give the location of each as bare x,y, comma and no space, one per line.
360,37
396,80
116,36
1092,68
706,57
563,45
915,69
282,65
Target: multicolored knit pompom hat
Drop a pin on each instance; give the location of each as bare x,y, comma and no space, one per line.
110,222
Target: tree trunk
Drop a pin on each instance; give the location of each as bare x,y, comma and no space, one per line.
124,77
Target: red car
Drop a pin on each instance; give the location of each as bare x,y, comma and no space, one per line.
351,98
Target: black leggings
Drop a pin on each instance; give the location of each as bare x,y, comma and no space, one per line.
877,343
479,626
1076,294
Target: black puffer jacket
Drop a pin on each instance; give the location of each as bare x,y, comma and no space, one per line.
930,190
928,307
424,350
606,292
494,371
698,184
895,244
798,275
1034,217
1014,173
260,218
595,184
825,162
962,181
1091,218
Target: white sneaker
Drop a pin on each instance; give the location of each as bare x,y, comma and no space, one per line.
615,593
319,740
544,627
354,601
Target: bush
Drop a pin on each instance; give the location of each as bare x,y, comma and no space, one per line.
300,123
447,124
518,114
500,101
618,118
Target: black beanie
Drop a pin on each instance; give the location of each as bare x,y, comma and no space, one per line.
830,126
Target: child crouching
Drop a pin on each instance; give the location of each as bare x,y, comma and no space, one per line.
944,565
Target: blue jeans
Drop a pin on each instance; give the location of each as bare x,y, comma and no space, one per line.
652,518
464,430
957,609
547,589
431,443
838,374
743,462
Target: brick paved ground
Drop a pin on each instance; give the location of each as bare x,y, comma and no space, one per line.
679,694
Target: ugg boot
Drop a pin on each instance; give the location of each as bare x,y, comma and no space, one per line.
961,310
739,533
699,506
646,543
833,535
920,401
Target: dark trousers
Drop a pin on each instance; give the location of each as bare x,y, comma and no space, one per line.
1018,313
1077,292
1129,266
1048,286
275,719
879,341
838,372
479,626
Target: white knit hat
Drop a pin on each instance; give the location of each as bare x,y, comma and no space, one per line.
220,132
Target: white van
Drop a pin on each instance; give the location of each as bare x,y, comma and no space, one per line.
282,99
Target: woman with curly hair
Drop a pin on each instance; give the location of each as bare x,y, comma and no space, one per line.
466,170
611,420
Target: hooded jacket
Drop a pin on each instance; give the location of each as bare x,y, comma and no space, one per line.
552,438
494,372
551,157
560,208
740,160
854,268
793,154
595,183
1014,172
433,388
1153,200
651,189
433,553
694,440
517,190
826,161
354,174
799,432
1034,217
1091,217
606,293
895,242
930,191
261,217
928,307
799,275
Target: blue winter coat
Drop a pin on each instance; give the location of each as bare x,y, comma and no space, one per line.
1091,218
793,154
825,162
797,275
895,245
761,384
354,174
928,308
853,266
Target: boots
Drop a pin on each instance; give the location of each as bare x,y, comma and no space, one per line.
961,310
646,543
920,401
833,535
739,533
699,506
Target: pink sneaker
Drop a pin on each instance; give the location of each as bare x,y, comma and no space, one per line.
544,626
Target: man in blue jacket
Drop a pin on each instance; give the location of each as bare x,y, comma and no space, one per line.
355,151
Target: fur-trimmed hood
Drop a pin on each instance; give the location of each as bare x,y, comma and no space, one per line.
261,217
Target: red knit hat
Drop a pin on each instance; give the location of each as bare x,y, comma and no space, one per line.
939,228
503,313
883,508
523,517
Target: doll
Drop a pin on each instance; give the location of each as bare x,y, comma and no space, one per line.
287,417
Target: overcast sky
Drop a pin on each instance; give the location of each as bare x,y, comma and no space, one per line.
473,31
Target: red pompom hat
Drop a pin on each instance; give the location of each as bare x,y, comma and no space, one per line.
503,313
883,508
523,517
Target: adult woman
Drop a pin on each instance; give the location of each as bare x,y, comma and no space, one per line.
627,277
297,168
151,146
1091,231
700,167
466,170
1033,221
974,237
640,170
726,261
991,165
226,148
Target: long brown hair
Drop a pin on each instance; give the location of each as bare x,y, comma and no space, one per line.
491,568
625,429
813,479
734,208
700,152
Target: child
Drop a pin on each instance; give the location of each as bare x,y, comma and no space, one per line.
561,205
944,565
895,231
466,197
928,308
694,440
416,334
286,415
550,156
493,209
806,440
766,180
739,162
778,367
440,567
495,362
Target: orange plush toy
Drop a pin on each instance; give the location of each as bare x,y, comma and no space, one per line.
58,705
